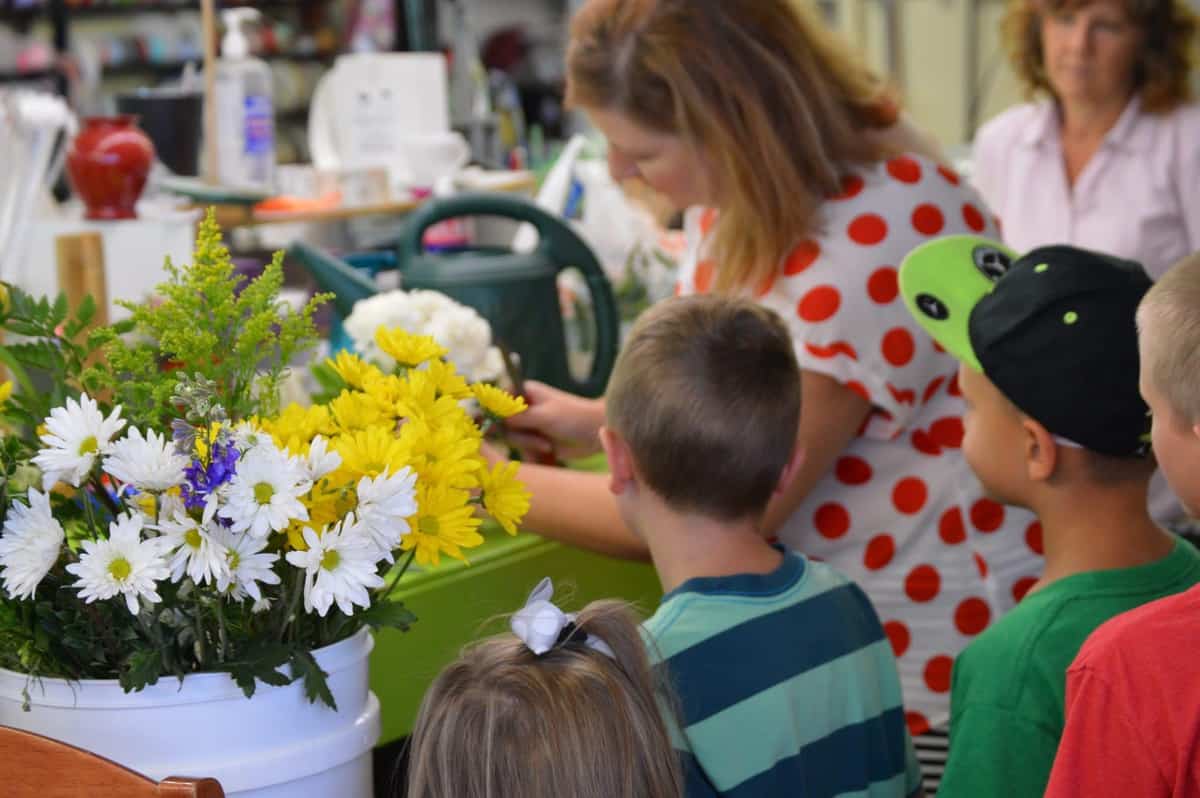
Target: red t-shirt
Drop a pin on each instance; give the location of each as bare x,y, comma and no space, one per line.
1133,706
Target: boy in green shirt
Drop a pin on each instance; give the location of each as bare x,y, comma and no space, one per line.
1054,423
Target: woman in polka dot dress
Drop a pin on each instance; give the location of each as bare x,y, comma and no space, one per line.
753,109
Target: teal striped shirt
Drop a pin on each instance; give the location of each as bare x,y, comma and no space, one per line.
786,685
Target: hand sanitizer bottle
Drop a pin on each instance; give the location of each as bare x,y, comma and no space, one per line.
245,113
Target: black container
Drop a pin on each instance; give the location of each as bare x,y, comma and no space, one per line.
174,121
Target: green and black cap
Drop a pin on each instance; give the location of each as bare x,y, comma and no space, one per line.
1054,330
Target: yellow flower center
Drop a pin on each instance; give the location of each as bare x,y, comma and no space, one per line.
374,469
429,525
234,560
263,492
330,560
89,446
192,538
120,569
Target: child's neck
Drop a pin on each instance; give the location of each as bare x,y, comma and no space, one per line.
1098,529
688,546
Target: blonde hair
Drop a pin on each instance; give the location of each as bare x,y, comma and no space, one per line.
503,722
1164,64
1169,325
706,393
774,100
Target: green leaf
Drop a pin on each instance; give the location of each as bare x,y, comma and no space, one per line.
261,662
315,680
389,614
142,668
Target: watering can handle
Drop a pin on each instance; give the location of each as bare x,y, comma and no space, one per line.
557,242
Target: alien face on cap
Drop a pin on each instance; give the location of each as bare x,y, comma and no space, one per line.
943,280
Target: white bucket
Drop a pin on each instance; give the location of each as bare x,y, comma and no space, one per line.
274,745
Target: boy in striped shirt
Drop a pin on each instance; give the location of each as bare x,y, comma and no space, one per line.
785,681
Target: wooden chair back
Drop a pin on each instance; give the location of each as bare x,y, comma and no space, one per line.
33,766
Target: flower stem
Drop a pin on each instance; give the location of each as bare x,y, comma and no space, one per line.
292,605
201,651
222,636
396,580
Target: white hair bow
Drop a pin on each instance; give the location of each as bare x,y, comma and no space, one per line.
541,625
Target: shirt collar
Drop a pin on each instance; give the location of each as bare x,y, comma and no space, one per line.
1130,131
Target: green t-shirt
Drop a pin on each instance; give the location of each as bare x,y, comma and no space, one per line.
1006,704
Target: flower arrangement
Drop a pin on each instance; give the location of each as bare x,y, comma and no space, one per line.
162,515
465,334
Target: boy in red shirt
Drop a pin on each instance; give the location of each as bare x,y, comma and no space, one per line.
1133,692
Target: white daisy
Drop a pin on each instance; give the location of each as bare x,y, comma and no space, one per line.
339,565
30,545
247,565
193,550
124,564
75,435
148,462
246,436
264,495
320,460
384,505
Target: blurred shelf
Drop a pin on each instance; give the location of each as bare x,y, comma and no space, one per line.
176,66
10,10
15,76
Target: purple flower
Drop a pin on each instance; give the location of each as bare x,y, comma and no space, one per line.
201,480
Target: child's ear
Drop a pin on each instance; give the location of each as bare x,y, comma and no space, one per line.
620,460
790,469
1041,451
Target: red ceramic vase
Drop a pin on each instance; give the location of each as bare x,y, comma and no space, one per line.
108,164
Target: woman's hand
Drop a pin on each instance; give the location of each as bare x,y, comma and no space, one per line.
556,424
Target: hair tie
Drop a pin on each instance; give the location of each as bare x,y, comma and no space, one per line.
541,625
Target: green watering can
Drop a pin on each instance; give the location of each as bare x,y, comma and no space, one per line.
516,292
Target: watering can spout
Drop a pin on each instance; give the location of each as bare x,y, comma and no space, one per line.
347,284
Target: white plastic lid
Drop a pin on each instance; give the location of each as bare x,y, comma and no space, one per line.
234,43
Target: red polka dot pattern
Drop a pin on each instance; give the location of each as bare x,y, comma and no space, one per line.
832,520
909,495
899,347
705,271
982,565
1021,587
973,218
932,389
1033,538
853,471
928,220
801,257
707,219
898,636
953,388
859,389
923,583
868,229
924,443
904,169
819,304
951,528
765,285
972,616
833,350
937,673
917,723
852,185
883,286
948,432
987,515
879,552
949,174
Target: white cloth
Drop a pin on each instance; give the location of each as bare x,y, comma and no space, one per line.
900,513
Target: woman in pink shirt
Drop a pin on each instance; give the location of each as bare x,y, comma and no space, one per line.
1110,159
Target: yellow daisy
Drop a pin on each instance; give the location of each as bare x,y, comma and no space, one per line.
445,523
447,380
443,455
385,389
6,389
421,401
408,349
353,370
504,497
371,451
353,410
299,423
497,402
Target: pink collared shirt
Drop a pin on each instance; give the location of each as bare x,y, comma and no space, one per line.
1138,197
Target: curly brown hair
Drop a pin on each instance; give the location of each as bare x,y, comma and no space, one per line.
1163,66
